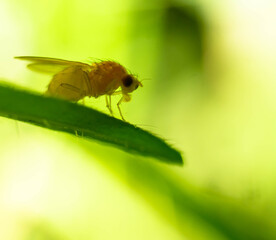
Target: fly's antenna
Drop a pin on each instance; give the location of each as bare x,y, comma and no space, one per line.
145,79
142,80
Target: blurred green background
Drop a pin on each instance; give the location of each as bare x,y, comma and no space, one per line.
209,90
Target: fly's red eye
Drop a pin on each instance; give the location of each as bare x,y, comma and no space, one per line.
127,81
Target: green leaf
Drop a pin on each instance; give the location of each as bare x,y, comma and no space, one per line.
72,118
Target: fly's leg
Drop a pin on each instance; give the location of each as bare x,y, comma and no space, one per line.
117,93
118,105
109,96
108,104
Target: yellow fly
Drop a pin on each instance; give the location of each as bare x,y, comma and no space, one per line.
75,80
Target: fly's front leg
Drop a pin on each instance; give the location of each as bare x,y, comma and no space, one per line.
117,92
118,105
108,104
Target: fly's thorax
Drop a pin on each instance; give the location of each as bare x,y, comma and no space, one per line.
105,77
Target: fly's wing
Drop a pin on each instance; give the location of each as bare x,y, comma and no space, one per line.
50,65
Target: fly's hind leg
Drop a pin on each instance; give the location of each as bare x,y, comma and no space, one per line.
108,104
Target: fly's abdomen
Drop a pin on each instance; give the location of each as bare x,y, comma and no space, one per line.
70,84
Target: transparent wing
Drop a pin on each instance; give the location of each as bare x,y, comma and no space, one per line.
50,65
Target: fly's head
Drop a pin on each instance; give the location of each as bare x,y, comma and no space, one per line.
129,84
